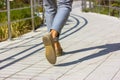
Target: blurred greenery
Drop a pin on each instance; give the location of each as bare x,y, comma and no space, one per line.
20,18
114,9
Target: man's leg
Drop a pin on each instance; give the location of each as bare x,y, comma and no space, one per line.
55,19
63,11
50,12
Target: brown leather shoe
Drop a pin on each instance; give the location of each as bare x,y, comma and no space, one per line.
59,52
58,49
49,48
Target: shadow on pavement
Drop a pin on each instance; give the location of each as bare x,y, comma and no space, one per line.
76,27
108,48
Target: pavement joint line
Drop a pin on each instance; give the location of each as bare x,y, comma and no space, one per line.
25,68
115,74
31,65
98,42
37,45
98,66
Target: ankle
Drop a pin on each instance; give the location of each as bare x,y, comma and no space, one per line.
55,36
54,33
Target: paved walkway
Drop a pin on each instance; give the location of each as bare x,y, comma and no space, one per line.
91,44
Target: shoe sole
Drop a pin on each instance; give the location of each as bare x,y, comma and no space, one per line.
49,48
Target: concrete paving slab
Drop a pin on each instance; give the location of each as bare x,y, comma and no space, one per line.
91,44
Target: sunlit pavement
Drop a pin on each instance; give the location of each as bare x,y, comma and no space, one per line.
91,44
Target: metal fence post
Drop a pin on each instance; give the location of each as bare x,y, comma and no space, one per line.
32,15
82,5
109,7
99,5
85,4
90,5
9,22
43,14
119,14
